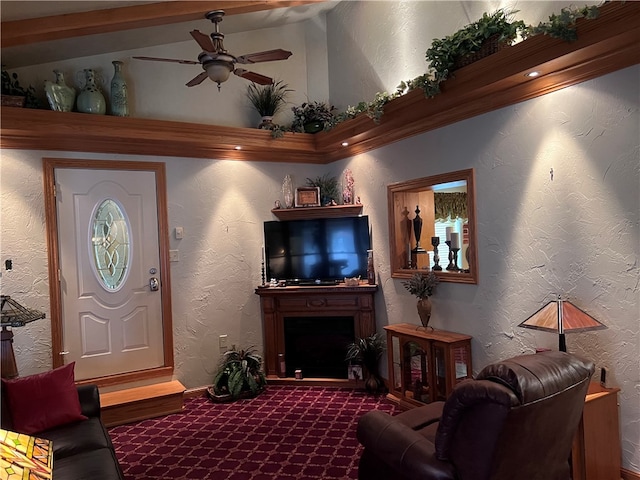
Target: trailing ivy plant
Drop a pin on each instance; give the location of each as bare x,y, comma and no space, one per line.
563,26
443,53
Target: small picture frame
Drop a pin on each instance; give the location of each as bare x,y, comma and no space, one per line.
354,372
307,197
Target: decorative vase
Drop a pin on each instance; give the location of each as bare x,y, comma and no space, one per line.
371,272
91,99
266,123
61,97
373,384
424,311
287,191
118,94
347,188
313,127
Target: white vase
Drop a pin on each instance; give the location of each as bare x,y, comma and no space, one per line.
287,191
61,97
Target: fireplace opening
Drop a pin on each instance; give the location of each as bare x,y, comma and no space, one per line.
317,345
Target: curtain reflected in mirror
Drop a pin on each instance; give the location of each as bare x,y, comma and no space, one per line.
432,227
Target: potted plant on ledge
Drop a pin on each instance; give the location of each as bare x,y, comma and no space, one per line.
240,376
268,100
368,351
312,117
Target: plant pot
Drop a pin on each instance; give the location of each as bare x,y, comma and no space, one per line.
266,123
227,398
424,311
373,384
490,46
313,127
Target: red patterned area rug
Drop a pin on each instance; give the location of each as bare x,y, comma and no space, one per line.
286,433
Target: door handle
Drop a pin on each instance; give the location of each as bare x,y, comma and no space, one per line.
154,284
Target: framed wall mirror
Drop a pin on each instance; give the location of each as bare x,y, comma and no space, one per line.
432,226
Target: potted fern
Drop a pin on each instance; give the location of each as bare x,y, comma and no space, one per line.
240,376
368,351
268,100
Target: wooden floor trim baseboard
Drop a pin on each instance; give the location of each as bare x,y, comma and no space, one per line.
629,475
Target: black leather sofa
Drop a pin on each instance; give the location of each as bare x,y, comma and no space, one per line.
81,450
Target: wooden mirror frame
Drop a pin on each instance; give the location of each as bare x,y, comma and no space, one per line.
415,192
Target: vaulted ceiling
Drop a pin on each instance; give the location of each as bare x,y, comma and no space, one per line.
112,26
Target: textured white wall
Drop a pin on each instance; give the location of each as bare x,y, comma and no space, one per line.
374,45
577,235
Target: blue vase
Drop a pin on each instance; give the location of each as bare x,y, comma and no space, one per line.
118,93
91,99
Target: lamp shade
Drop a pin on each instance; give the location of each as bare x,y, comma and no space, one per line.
560,316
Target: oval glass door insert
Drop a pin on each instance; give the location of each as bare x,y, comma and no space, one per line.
111,244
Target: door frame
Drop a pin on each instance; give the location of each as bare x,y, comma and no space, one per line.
49,166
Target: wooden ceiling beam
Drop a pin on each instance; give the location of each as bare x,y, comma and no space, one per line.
56,27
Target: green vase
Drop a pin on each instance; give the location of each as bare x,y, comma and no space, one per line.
91,99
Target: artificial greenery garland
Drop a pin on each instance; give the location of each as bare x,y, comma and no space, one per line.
443,53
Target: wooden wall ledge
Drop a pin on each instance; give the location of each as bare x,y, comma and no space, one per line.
604,45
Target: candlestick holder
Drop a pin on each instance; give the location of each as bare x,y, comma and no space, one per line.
452,266
435,241
455,251
263,273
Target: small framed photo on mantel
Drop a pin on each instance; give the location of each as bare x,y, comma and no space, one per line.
307,197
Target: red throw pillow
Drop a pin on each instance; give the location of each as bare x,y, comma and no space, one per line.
43,401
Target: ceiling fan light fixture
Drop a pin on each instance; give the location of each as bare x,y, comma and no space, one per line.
219,71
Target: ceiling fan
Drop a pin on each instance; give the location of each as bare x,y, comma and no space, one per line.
218,63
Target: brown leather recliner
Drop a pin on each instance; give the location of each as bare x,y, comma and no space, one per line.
514,421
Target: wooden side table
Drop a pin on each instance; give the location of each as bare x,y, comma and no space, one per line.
596,453
425,364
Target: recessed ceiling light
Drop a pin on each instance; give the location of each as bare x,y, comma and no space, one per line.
238,147
533,74
345,144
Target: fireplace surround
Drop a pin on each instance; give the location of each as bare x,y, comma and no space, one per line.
313,308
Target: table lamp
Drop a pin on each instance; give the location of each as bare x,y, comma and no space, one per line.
13,315
560,316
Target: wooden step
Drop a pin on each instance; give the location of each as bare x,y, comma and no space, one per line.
139,403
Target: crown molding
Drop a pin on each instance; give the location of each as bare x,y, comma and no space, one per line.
604,45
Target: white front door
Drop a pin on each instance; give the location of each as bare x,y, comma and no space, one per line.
110,278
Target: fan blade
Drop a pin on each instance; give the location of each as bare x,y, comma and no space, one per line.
197,80
203,40
175,60
254,77
267,56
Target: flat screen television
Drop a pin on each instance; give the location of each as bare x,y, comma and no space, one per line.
316,251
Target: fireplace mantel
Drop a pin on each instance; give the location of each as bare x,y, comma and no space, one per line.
277,303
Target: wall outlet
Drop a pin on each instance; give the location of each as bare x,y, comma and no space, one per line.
174,255
223,342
